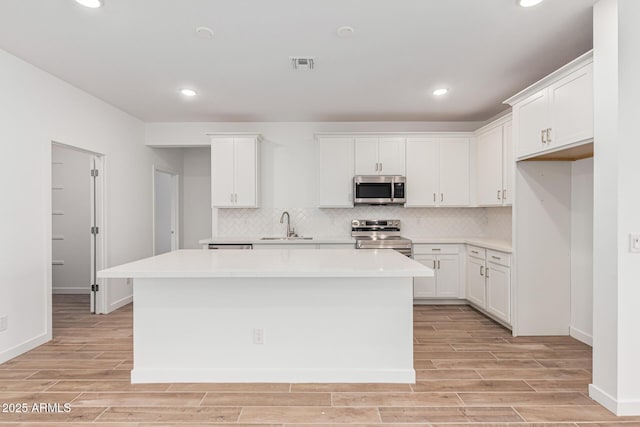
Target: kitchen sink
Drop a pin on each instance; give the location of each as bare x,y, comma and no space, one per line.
287,238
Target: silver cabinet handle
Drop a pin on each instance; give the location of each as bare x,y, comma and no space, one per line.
499,195
482,270
376,167
548,134
504,194
486,273
474,252
231,197
235,197
438,264
542,139
495,257
434,197
434,264
442,197
380,167
436,249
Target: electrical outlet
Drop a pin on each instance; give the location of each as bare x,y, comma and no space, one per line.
4,323
258,336
634,242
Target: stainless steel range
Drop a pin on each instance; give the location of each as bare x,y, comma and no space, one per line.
380,234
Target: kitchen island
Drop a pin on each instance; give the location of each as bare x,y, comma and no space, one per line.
273,316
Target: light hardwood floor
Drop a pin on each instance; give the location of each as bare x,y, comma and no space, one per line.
470,371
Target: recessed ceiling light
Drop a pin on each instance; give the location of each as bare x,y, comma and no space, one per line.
188,92
528,3
204,32
440,92
91,3
345,31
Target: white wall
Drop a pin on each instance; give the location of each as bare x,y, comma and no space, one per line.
582,250
616,347
289,180
196,196
37,108
71,195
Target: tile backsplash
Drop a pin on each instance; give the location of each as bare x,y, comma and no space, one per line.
416,222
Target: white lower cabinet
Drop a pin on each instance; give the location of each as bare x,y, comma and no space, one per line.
489,282
445,262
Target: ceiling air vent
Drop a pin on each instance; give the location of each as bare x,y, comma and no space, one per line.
302,63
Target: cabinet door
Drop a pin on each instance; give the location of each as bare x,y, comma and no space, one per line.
571,111
454,172
245,173
222,173
508,163
336,173
499,291
422,172
448,282
425,287
367,162
489,167
531,117
391,156
476,281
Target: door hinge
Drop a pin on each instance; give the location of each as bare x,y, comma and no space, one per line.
95,288
95,230
94,172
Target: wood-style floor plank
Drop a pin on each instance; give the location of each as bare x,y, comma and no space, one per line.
469,371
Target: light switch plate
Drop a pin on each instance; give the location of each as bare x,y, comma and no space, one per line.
634,242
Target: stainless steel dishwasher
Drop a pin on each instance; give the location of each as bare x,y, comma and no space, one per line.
230,246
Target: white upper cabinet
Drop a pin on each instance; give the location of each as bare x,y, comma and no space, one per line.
422,172
454,172
437,172
380,156
234,171
555,112
494,164
336,171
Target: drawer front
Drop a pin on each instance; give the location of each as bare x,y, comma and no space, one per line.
500,258
476,252
435,249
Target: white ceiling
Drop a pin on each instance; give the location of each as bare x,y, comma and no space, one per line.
136,54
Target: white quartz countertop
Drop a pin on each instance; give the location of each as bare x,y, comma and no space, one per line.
483,242
198,263
259,241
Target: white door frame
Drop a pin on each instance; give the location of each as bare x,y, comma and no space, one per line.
175,206
101,241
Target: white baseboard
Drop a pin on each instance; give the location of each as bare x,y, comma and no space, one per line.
117,304
618,407
439,301
24,347
398,376
70,290
581,336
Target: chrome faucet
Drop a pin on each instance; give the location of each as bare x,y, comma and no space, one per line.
291,232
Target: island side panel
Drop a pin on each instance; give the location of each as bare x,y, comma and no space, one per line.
315,330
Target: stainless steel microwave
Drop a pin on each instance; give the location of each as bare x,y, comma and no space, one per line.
379,190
